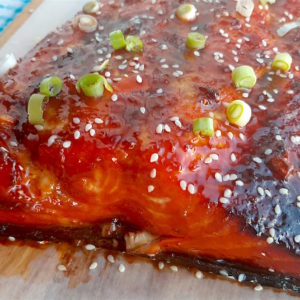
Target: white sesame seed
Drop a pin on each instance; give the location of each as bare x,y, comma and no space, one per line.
159,91
192,189
150,188
142,109
93,265
51,140
227,193
218,133
214,156
110,258
297,238
114,97
277,209
230,135
139,79
284,191
233,157
98,121
90,247
92,132
258,288
183,184
239,183
298,198
88,127
268,193
242,136
242,277
208,160
11,239
295,139
197,53
270,240
272,232
224,200
261,191
268,151
218,177
199,275
159,128
174,268
233,177
122,268
153,173
165,66
154,157
167,128
278,137
76,134
257,160
161,265
61,268
67,144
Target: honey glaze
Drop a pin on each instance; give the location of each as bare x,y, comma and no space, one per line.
131,159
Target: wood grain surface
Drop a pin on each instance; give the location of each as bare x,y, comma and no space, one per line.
30,272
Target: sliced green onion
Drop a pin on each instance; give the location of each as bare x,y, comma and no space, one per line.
244,77
245,8
287,27
117,39
195,40
102,67
264,2
282,61
35,109
186,12
239,113
204,126
51,86
86,23
91,7
133,44
92,85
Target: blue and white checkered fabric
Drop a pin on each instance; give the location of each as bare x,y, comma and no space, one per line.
9,9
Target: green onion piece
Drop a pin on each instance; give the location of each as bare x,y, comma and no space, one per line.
102,67
244,77
264,2
117,39
35,109
133,44
204,126
282,61
106,84
51,86
195,40
91,7
239,113
186,12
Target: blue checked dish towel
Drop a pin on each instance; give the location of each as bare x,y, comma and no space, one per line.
9,9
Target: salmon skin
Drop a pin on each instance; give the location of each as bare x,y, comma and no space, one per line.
126,171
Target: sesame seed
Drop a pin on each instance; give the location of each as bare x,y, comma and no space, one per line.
67,144
230,135
139,79
208,160
199,275
122,268
214,156
270,240
92,132
257,160
150,188
278,137
218,177
98,121
154,157
239,183
88,127
153,173
51,140
159,128
224,200
192,189
242,277
114,97
11,239
233,157
258,288
76,134
223,273
142,109
110,258
261,191
90,247
242,136
298,198
297,238
61,268
218,133
183,184
272,232
165,66
277,209
159,91
284,191
268,151
227,193
174,268
93,266
161,265
167,128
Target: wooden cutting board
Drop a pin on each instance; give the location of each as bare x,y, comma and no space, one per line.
31,272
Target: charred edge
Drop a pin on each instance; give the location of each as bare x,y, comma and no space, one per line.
100,236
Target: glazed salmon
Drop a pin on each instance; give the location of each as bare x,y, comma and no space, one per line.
126,167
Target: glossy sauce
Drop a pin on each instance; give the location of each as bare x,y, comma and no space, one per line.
107,173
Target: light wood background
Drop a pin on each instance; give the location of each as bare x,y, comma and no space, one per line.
28,272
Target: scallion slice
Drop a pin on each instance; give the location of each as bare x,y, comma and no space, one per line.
239,113
195,40
117,39
186,12
264,2
91,7
102,67
287,27
245,8
244,77
282,61
86,23
35,109
204,126
51,86
133,44
92,85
